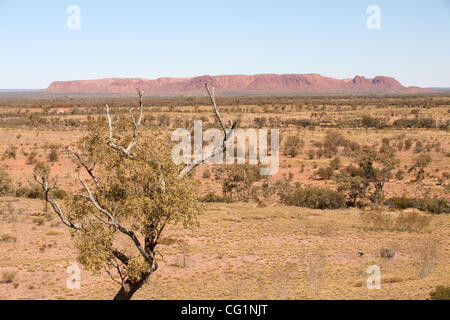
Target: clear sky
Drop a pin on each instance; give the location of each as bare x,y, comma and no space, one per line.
151,39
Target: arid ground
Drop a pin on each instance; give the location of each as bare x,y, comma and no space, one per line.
253,248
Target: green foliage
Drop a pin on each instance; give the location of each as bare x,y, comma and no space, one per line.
375,167
33,192
95,246
237,180
354,187
293,146
373,122
325,173
316,198
420,163
432,205
212,197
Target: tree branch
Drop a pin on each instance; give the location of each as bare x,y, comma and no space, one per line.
125,151
113,222
56,208
227,135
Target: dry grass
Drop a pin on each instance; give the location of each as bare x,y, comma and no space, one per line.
240,251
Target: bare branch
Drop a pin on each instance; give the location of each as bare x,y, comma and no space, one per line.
56,208
125,151
211,94
88,170
227,132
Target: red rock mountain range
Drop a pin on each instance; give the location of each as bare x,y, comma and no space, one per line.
239,84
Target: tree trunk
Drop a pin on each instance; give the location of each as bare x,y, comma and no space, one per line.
130,287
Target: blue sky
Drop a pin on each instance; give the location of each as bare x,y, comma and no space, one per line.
172,38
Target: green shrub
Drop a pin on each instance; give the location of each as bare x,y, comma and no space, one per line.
32,192
58,193
316,198
436,206
441,293
211,197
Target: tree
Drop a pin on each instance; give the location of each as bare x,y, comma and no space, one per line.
376,168
237,180
134,191
293,146
420,163
354,187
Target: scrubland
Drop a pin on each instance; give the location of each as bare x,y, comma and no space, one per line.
308,232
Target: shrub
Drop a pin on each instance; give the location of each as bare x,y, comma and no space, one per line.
11,152
206,174
372,122
335,163
377,220
8,276
211,197
6,238
325,173
316,198
31,158
53,155
6,186
32,192
441,293
58,193
412,221
408,144
434,205
293,146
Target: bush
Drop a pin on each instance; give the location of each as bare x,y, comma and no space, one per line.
412,221
8,276
32,192
325,173
53,155
211,197
316,198
436,206
441,293
206,174
293,146
6,186
406,221
6,238
372,122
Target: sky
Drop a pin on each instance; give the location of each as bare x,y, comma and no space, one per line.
170,38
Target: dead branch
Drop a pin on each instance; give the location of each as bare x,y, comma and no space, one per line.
227,135
125,151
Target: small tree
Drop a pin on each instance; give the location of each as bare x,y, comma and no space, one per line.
53,155
134,191
420,163
293,146
375,167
